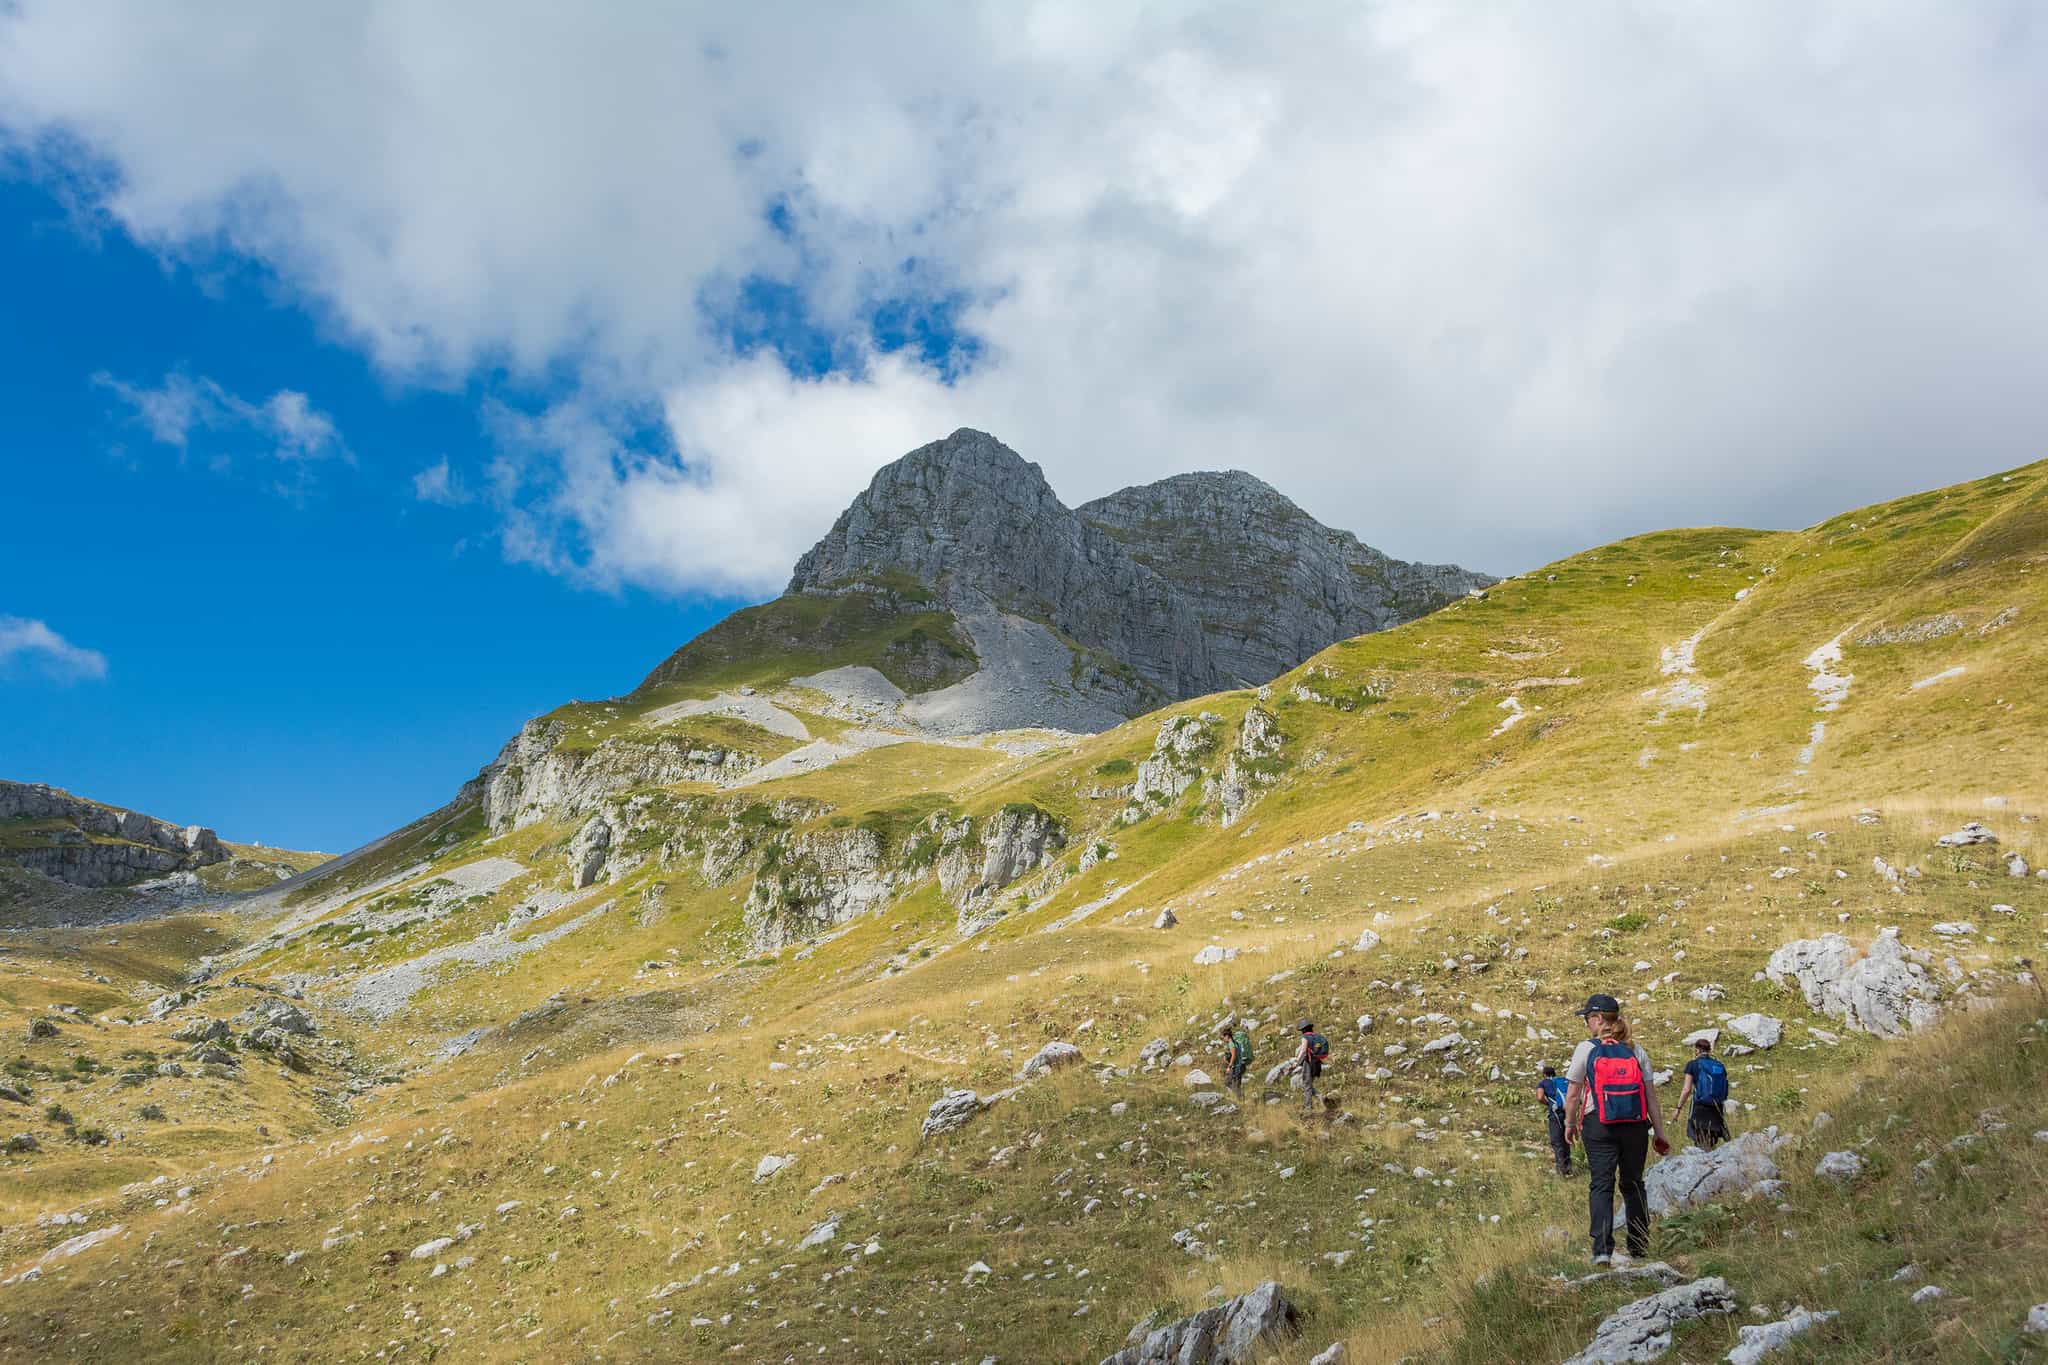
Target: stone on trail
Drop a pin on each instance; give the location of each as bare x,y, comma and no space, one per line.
949,1111
820,1233
2016,866
1928,1293
1712,1035
1197,1078
1840,1166
1364,1024
1641,1331
1690,1178
770,1166
1972,833
1213,954
1334,1355
1367,941
1758,1030
427,1251
1052,1055
1233,1333
1758,1342
1883,990
1166,920
2037,1320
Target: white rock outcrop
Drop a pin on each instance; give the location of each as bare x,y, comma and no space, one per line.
1842,1167
1758,1030
1691,1178
1757,1342
1235,1333
1885,989
1048,1058
1247,769
1641,1331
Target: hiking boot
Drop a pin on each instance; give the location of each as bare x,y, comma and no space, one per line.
1603,1260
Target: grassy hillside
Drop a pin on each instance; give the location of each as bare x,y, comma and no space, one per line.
1603,775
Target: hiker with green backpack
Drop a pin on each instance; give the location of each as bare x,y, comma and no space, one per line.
1706,1085
1308,1062
1237,1055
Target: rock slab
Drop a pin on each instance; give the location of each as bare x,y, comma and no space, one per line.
1231,1333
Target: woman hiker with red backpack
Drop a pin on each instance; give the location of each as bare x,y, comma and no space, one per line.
1612,1104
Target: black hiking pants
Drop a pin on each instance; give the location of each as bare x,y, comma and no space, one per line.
1707,1126
1612,1153
1560,1148
1235,1079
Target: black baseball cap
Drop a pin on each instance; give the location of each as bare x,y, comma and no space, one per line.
1599,1004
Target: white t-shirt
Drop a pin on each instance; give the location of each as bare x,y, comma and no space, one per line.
1576,1072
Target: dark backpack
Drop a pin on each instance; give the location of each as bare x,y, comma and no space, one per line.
1620,1094
1710,1081
1318,1048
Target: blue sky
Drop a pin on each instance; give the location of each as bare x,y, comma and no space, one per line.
640,297
307,668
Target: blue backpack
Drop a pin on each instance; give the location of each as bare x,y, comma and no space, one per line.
1710,1085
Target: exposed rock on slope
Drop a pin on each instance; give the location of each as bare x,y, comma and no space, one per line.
1190,585
1233,1333
535,777
1885,990
1270,584
88,844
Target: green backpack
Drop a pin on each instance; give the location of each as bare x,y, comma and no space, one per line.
1240,1048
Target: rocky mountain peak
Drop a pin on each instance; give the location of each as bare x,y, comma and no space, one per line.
1200,581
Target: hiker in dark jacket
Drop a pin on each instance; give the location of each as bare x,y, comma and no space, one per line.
1706,1085
1553,1089
1308,1062
1237,1055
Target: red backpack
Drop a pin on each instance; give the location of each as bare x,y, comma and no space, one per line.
1620,1094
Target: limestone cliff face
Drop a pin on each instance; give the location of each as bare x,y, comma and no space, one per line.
534,778
971,518
1197,583
85,843
1270,584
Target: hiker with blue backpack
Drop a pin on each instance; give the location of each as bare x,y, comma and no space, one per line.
1553,1088
1308,1062
1706,1084
1612,1106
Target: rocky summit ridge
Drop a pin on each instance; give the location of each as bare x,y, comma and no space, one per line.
1194,584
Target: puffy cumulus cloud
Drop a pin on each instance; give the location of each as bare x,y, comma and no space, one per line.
1484,282
286,426
756,463
29,646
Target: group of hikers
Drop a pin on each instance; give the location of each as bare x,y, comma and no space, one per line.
1606,1101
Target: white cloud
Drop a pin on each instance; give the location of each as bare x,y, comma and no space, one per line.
286,425
440,484
1485,282
27,645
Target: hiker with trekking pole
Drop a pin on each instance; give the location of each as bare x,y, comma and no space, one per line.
1706,1085
1612,1106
